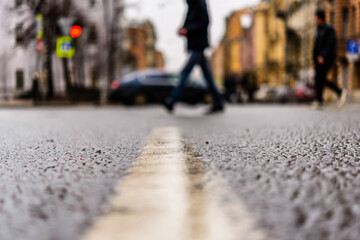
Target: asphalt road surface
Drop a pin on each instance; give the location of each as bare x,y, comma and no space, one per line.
272,172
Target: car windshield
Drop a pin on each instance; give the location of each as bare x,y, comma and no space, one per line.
129,77
140,74
173,78
159,79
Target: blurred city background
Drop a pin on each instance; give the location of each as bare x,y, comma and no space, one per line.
261,50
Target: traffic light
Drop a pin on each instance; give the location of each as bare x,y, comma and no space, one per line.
75,31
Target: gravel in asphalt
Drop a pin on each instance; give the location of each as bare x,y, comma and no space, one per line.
296,170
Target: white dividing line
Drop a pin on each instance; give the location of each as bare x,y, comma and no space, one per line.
166,197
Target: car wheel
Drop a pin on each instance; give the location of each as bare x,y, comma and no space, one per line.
128,102
140,99
208,98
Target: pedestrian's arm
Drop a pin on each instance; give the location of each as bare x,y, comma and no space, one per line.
202,21
182,32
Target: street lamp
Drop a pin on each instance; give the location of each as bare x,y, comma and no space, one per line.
246,21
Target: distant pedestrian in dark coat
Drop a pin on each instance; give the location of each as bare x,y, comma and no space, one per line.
36,95
230,85
324,57
195,29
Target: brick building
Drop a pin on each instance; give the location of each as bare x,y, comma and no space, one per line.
300,32
235,53
232,44
217,62
141,48
346,18
282,40
137,47
269,43
254,42
160,60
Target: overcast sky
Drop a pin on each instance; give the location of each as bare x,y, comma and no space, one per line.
168,16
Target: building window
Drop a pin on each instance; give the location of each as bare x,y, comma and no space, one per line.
92,3
134,40
358,29
353,21
92,36
345,22
332,18
19,34
19,79
18,3
94,77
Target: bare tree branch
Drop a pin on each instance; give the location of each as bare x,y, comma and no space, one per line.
36,5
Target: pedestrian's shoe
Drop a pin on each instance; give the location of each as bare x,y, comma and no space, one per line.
169,105
218,108
316,105
342,99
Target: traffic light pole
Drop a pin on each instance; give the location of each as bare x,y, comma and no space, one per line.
38,76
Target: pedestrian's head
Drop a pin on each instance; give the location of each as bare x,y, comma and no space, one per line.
320,17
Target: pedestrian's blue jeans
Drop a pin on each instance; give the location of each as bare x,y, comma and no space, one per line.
197,58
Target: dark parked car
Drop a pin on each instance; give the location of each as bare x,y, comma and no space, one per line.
284,94
151,86
265,94
304,93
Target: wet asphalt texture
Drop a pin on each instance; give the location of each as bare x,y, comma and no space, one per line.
295,169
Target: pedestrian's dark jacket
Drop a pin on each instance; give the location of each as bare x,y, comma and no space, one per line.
196,24
325,44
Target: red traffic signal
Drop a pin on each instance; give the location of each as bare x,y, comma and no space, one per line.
75,31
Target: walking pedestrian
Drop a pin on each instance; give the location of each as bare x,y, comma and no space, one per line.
324,57
36,95
230,85
195,29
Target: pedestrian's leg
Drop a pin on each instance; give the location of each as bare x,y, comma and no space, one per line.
193,60
342,94
333,87
320,78
329,84
217,98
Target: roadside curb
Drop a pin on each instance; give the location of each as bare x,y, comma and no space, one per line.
15,104
30,104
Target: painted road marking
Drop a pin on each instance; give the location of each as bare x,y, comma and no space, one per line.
167,196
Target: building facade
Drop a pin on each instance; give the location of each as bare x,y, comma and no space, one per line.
17,63
278,45
87,69
232,44
347,25
344,16
136,47
254,43
150,44
269,42
160,60
300,33
141,47
218,63
234,55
